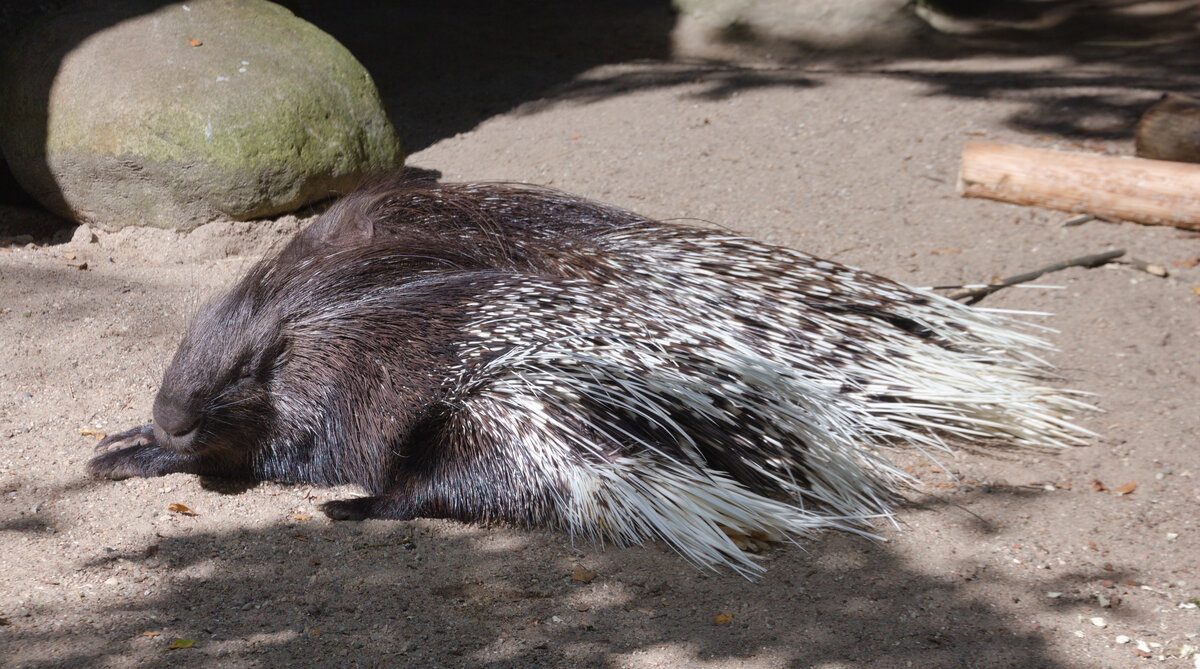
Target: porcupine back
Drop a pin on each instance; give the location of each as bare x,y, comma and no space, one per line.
660,381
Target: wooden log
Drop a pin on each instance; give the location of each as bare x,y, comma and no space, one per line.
1170,130
1155,192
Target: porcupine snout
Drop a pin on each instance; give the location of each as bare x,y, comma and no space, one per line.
175,422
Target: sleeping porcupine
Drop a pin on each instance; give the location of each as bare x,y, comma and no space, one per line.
509,353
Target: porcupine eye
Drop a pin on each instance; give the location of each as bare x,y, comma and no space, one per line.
263,364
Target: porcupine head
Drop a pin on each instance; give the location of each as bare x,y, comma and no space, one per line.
274,379
215,397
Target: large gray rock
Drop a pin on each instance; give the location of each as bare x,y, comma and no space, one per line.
133,113
878,25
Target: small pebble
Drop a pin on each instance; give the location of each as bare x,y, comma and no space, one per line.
1098,621
84,235
1122,639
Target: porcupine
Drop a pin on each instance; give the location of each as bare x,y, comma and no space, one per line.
490,352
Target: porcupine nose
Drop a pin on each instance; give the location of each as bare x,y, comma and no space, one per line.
174,417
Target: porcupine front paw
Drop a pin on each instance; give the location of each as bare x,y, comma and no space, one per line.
357,508
115,461
137,452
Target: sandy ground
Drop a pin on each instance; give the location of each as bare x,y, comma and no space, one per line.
1019,560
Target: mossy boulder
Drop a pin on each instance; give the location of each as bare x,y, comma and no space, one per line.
174,115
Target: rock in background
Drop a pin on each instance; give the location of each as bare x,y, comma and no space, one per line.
803,25
174,115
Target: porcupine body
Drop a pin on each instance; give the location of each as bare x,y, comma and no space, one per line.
502,353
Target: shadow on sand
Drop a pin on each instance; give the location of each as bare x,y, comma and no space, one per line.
433,593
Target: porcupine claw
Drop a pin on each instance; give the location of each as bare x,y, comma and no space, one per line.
138,436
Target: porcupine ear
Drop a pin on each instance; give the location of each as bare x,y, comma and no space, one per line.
347,228
345,224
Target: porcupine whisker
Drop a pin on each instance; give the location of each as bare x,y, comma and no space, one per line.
229,404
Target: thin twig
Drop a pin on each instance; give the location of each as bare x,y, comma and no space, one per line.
1147,267
973,295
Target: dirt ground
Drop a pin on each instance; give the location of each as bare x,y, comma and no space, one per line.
1022,560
